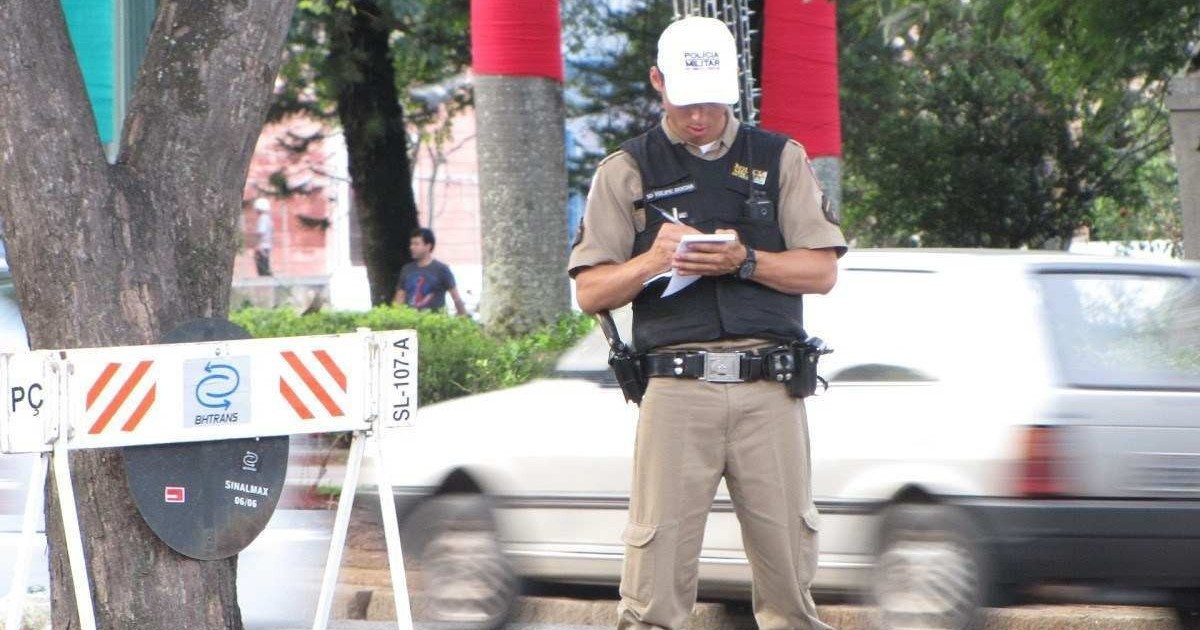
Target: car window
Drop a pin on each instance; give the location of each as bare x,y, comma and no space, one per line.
1119,330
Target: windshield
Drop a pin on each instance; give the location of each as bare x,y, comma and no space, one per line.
1125,331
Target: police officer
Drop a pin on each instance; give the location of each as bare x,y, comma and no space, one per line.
711,408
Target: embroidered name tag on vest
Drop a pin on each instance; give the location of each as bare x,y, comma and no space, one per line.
674,191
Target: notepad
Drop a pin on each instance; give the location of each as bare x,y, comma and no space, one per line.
680,282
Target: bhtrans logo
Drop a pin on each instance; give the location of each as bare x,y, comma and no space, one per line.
701,60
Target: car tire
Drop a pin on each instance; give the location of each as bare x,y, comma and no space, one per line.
930,571
1187,608
466,582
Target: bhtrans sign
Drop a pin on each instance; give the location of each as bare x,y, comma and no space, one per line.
218,390
175,395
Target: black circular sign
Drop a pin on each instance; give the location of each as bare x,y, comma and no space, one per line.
207,500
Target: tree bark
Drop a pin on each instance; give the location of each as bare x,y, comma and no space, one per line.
1183,101
118,254
373,121
523,201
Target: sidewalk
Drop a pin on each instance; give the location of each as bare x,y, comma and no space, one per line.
541,613
545,613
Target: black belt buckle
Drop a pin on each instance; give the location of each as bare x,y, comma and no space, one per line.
723,367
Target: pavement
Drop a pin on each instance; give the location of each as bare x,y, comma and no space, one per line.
559,613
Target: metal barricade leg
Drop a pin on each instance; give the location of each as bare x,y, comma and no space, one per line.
33,507
341,524
74,538
391,532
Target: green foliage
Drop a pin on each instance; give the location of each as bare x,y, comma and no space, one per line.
1097,42
456,356
430,43
1152,216
958,132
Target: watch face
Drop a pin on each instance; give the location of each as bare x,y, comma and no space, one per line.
748,264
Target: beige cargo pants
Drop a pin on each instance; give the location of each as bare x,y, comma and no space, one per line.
689,435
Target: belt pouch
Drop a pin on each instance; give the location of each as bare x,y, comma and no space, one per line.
628,370
804,382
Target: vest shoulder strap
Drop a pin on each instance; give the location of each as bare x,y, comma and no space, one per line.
653,148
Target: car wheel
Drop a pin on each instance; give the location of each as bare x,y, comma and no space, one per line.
930,572
1187,608
466,580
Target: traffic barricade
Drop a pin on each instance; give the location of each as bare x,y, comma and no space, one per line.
230,406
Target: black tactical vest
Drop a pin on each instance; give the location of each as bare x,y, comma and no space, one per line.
712,195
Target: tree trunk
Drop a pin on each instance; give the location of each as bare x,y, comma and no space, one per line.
523,201
117,254
1183,101
373,121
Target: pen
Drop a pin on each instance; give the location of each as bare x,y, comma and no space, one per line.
673,218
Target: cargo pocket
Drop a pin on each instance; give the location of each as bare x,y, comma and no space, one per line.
807,551
637,573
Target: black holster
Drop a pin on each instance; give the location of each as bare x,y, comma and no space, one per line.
805,379
627,367
625,364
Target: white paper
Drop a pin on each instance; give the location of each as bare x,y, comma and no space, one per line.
679,281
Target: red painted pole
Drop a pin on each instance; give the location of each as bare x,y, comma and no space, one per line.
800,74
516,38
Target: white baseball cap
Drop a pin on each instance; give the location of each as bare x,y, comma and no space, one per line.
262,205
698,60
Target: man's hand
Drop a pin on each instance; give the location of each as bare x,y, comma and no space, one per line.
665,243
613,285
709,259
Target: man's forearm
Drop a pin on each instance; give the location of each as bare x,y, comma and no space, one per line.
613,285
797,271
458,302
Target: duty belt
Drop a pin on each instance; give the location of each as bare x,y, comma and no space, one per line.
717,367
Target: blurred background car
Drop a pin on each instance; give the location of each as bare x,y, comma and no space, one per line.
994,420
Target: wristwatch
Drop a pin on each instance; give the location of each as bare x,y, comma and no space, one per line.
748,265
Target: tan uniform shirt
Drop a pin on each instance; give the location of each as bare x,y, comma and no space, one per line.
610,221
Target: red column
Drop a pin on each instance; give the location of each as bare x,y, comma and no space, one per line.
516,38
799,74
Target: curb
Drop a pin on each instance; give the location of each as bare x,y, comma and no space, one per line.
374,608
737,616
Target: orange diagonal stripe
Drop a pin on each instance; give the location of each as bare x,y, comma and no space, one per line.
312,383
101,381
119,399
294,401
332,368
142,408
